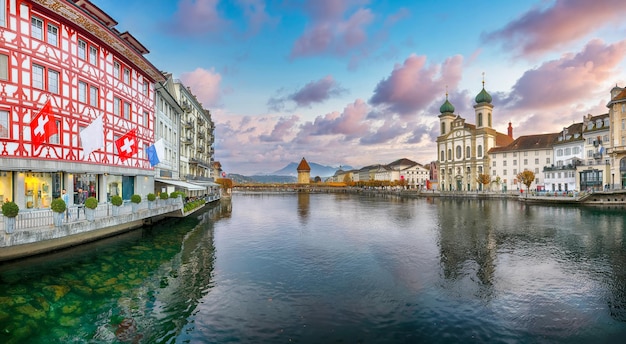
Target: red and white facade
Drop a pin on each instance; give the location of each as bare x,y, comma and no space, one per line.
68,52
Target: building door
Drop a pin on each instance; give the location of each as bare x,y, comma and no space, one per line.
128,187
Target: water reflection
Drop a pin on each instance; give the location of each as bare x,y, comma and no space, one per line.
303,206
137,287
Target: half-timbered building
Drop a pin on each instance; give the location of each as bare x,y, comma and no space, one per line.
69,55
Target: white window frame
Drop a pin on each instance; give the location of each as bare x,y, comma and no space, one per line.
116,69
93,55
116,106
93,96
53,34
38,76
36,28
53,81
82,92
4,122
126,78
82,49
4,66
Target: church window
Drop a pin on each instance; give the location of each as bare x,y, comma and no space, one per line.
459,152
480,119
489,119
468,153
449,154
479,151
443,156
443,128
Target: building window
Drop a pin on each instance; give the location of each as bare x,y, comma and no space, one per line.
55,138
36,27
515,162
93,96
53,81
493,173
504,173
576,150
38,77
459,152
82,49
127,110
82,92
126,76
547,160
145,88
526,153
116,106
537,161
489,119
93,55
514,154
4,66
480,151
623,124
449,154
443,156
3,13
4,124
493,164
504,163
525,162
145,119
559,152
468,152
515,172
480,119
116,70
53,35
443,128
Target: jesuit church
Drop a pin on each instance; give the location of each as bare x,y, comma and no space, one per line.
463,147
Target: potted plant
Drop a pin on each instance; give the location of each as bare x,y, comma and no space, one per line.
163,196
151,197
174,196
58,207
117,203
135,199
91,204
10,210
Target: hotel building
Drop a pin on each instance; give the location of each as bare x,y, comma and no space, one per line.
69,53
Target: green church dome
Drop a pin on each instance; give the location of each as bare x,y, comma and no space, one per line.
483,97
446,107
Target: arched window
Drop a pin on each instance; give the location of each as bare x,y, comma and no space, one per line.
443,155
443,128
479,151
480,119
468,152
449,154
489,119
459,152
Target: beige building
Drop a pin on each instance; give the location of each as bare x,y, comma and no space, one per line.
616,150
463,147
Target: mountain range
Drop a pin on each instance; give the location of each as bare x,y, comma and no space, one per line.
288,174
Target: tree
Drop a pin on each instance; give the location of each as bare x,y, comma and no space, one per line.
484,179
526,177
497,181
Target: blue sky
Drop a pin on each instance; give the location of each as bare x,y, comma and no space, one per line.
360,82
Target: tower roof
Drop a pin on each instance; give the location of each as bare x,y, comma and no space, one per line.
303,166
446,107
483,97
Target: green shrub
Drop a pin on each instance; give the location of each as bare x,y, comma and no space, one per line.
151,197
135,199
91,202
10,209
174,194
116,200
58,205
163,195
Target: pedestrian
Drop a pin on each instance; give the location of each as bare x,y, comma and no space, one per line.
81,202
66,198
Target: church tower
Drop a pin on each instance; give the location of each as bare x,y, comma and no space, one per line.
304,172
446,117
483,108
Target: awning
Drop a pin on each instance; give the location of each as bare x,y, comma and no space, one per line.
180,183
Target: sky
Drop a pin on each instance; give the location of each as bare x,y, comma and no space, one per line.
358,82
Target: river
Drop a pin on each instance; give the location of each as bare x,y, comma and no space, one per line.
322,268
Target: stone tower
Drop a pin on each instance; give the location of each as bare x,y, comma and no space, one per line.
304,172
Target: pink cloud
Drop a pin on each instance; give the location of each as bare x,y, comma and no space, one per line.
413,85
350,122
205,84
330,33
540,30
569,80
284,127
313,92
256,14
196,18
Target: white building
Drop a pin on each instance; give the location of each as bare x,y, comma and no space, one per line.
594,174
568,153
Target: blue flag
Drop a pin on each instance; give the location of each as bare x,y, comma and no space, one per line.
155,152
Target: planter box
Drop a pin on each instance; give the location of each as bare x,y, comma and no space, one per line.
116,210
90,214
9,224
134,206
57,218
151,204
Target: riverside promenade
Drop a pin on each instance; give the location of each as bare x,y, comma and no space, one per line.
35,232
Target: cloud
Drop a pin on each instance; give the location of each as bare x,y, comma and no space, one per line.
568,80
282,129
413,85
196,18
205,85
350,123
255,13
313,92
330,32
541,30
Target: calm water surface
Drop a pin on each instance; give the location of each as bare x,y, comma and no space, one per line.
334,268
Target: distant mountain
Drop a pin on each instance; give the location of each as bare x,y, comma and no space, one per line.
265,179
317,170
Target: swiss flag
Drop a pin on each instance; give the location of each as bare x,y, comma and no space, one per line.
127,145
42,126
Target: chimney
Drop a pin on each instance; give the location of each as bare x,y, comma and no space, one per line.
510,130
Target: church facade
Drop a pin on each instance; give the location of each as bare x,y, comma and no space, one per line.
463,147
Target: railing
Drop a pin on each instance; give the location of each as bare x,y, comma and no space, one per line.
30,219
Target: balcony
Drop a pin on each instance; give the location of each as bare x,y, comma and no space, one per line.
201,135
616,150
186,140
187,124
200,122
200,149
597,156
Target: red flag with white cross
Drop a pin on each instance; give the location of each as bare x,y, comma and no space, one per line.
127,145
42,126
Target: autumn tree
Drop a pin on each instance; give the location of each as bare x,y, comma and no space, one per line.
484,179
526,177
